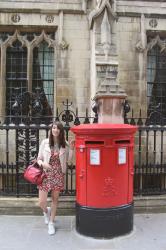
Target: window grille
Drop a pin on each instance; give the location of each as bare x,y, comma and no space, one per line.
22,77
156,85
16,73
43,71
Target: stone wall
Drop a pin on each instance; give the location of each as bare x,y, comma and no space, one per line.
136,19
72,51
129,64
75,75
73,80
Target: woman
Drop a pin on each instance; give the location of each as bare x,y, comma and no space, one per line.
54,153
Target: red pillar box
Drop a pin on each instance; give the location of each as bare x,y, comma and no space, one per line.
104,179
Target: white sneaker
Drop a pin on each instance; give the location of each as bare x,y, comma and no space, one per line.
47,215
51,228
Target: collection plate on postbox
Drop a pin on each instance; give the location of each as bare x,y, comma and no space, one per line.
95,157
121,155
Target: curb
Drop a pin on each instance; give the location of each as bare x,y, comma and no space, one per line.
66,205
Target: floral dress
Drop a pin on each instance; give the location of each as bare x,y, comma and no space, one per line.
54,177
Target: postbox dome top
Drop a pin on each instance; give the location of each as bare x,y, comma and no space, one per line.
104,128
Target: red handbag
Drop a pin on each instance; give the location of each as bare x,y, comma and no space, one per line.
34,174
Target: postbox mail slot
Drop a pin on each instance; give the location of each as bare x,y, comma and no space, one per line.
95,142
122,142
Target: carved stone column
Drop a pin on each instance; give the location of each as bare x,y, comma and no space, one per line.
109,96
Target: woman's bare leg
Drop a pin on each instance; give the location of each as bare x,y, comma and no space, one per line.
43,200
54,196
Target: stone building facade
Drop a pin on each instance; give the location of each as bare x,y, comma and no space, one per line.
84,50
73,48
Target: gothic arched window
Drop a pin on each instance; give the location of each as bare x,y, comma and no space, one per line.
16,73
27,72
43,70
156,85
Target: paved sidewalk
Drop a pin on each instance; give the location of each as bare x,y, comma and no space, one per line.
29,232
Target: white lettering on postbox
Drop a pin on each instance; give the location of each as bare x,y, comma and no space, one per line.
94,156
121,156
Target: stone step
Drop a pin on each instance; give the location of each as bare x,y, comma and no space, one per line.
66,205
29,206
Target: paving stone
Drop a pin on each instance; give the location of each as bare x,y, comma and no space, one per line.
30,232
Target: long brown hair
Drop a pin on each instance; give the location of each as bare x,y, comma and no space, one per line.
61,137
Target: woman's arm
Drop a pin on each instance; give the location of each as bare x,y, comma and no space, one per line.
66,155
63,160
40,156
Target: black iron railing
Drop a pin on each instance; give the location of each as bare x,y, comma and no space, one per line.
22,136
150,154
19,144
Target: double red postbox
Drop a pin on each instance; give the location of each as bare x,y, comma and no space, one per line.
104,179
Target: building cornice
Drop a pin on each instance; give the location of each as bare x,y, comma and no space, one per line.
42,6
132,8
138,14
144,1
